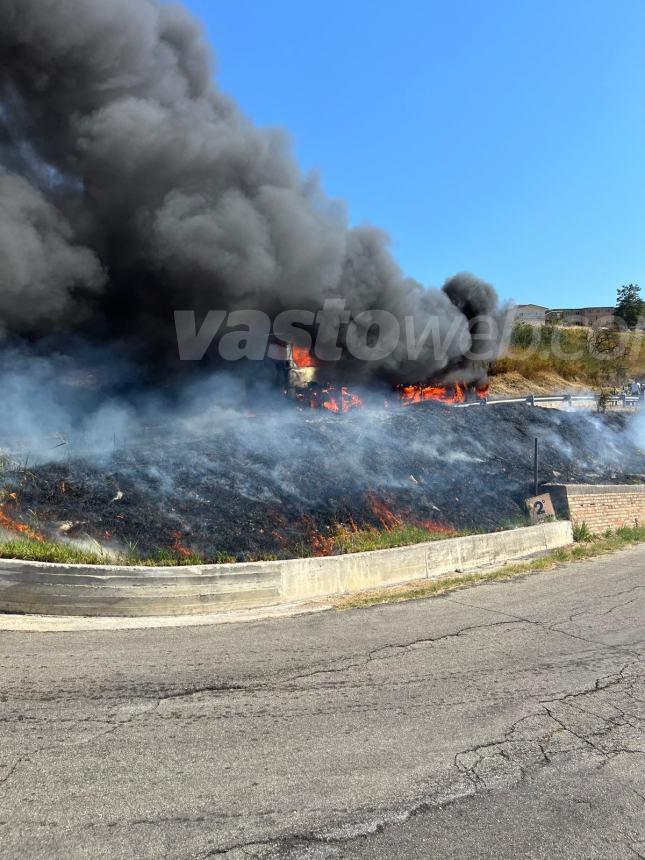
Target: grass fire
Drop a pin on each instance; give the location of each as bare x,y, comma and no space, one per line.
282,482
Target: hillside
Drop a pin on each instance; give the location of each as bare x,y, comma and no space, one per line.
428,466
552,359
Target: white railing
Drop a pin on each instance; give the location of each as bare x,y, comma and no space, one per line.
624,400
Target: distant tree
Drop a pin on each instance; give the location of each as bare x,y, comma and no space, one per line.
604,342
523,335
630,307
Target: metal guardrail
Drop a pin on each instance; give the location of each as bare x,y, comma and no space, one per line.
624,400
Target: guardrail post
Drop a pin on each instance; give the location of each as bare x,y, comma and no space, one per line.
536,466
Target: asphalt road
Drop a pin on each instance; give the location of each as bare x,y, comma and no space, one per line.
502,721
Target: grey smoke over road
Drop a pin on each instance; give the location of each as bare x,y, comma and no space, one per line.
130,187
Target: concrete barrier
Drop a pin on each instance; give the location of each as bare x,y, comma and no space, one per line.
91,590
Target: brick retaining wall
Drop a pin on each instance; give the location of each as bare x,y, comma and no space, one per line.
601,507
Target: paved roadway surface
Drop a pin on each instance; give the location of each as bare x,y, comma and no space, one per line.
502,721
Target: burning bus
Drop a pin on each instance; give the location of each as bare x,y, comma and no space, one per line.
316,384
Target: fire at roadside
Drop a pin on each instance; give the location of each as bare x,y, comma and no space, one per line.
281,484
314,384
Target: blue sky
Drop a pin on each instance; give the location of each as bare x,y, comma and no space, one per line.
503,137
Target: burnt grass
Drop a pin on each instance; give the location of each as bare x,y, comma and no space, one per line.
277,486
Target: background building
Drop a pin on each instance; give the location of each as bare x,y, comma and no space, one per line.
581,316
532,314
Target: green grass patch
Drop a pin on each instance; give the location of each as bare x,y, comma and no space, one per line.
367,540
342,541
346,539
166,558
33,550
589,547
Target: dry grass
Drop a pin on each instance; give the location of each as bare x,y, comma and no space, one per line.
556,359
595,546
514,384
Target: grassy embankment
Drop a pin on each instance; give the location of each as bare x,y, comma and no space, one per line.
341,539
28,549
586,546
552,359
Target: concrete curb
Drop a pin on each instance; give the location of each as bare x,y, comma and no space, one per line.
114,623
44,588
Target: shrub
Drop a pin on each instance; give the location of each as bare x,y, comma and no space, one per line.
581,533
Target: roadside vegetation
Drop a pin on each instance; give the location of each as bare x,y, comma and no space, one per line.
395,533
586,546
347,539
364,540
342,539
28,549
570,357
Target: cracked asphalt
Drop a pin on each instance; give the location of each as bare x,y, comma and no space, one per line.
503,720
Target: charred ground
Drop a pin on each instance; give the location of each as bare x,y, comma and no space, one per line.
281,484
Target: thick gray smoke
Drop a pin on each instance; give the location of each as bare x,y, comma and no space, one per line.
40,263
130,187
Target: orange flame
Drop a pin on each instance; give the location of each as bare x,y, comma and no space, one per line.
454,393
303,358
438,528
23,529
341,401
178,546
386,518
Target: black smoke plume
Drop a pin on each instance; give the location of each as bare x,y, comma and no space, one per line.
131,187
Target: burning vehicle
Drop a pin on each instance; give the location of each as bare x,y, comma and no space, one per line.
316,384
